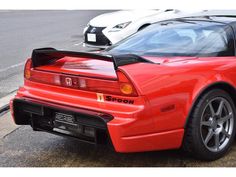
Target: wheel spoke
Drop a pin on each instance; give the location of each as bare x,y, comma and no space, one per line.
225,133
206,123
209,136
220,109
217,141
217,123
224,119
212,110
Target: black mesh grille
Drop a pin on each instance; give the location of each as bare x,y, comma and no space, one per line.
101,39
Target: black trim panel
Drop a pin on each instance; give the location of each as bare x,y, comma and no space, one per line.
42,118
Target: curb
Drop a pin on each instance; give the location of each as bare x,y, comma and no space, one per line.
4,109
4,102
8,125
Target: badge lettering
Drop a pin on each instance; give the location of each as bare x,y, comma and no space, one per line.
119,100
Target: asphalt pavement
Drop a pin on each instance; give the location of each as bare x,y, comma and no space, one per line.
22,31
20,146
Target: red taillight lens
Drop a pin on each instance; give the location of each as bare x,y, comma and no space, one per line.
121,86
27,71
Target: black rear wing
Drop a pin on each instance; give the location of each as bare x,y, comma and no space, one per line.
45,56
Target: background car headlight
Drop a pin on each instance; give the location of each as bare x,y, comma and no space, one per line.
120,26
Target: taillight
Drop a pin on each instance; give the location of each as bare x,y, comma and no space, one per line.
126,87
121,86
27,71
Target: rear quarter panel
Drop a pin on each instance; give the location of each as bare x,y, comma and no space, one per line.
172,88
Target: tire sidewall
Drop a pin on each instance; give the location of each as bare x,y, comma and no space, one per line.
198,144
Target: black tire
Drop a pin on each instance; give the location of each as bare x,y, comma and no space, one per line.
193,140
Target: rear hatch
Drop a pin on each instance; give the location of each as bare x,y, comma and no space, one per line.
82,71
82,67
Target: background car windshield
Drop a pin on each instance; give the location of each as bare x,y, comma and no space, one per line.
179,38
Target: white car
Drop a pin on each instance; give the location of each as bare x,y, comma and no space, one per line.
109,28
214,12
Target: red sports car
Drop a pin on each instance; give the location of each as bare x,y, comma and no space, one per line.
168,86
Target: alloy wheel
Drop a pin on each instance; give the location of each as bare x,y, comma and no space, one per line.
217,123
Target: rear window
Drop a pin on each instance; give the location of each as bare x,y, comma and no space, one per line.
180,38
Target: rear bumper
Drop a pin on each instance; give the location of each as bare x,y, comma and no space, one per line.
41,116
128,128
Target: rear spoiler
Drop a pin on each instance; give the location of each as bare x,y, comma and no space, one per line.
44,56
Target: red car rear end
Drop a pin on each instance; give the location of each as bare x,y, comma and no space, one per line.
87,98
172,84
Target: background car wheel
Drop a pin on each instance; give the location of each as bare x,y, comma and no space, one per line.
211,127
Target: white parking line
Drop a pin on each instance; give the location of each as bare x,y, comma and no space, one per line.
12,66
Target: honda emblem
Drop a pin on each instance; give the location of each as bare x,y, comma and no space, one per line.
68,81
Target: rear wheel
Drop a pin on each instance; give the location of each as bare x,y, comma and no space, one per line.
211,127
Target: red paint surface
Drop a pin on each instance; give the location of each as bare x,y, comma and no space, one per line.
141,126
